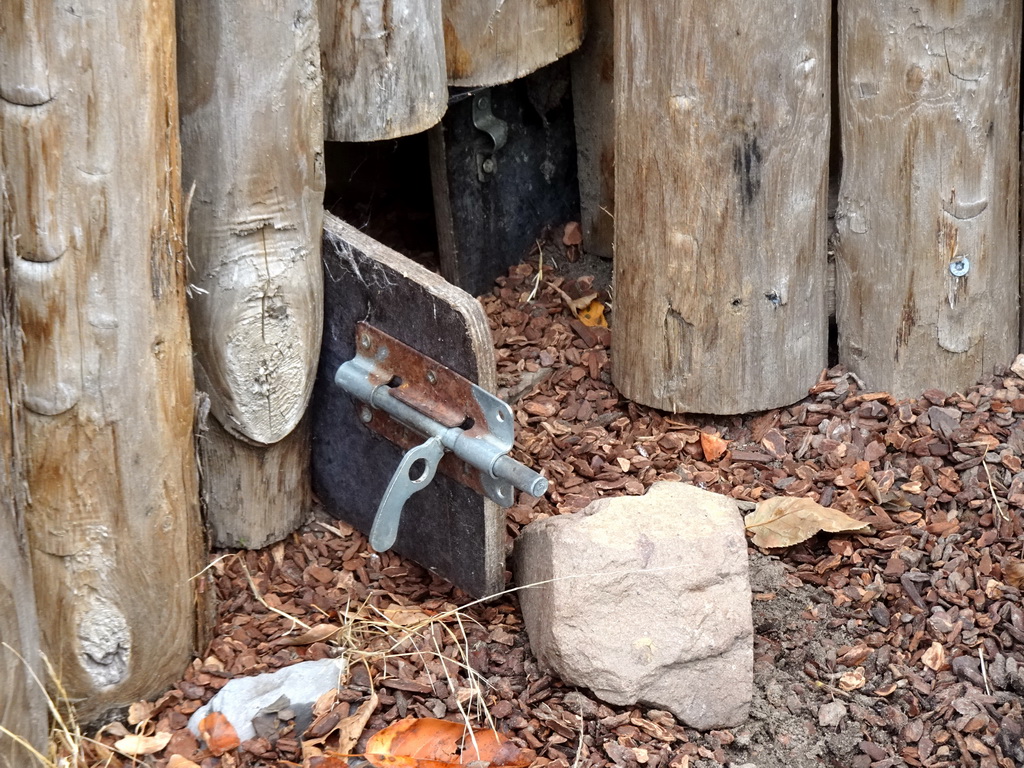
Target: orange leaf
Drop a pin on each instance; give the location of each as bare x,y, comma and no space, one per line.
714,446
218,733
430,743
593,315
177,761
327,761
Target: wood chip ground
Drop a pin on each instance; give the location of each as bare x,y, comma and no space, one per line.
904,647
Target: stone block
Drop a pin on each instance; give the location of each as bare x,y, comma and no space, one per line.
645,600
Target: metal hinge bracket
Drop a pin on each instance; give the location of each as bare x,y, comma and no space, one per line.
408,397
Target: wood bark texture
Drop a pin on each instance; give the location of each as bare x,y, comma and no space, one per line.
593,99
384,68
254,495
927,260
23,702
721,149
252,145
99,276
488,42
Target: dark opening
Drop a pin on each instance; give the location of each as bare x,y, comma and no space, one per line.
383,189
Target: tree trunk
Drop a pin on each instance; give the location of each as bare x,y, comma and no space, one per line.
98,275
384,68
252,135
721,150
928,205
593,99
261,493
488,42
23,703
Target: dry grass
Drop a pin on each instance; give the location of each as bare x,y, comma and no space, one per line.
67,746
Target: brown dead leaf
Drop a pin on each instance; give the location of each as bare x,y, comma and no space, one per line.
218,733
572,234
177,761
934,657
405,615
783,521
328,760
134,745
351,728
317,634
139,712
431,743
1013,573
325,702
713,445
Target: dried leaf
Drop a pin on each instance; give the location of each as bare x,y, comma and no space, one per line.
218,733
328,760
139,711
405,615
177,761
430,743
317,634
783,521
1013,573
576,305
134,745
572,234
351,728
934,657
852,680
713,444
593,315
325,702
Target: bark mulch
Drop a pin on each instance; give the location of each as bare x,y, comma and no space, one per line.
904,647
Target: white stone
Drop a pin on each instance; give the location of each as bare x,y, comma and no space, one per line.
645,600
1017,366
242,698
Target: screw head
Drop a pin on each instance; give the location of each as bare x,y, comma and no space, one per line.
431,377
488,165
365,415
364,341
960,267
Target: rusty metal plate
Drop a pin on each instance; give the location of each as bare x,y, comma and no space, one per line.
432,389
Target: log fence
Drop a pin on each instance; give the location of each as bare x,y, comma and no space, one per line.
715,129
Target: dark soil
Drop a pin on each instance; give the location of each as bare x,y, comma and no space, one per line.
902,647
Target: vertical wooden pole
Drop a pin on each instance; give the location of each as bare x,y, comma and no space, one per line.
593,100
928,206
721,149
252,145
384,68
488,42
99,275
23,702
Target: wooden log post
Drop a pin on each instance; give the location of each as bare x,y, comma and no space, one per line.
593,99
23,702
252,144
927,260
98,273
721,151
384,68
488,42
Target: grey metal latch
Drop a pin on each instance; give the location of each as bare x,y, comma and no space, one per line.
485,120
407,396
